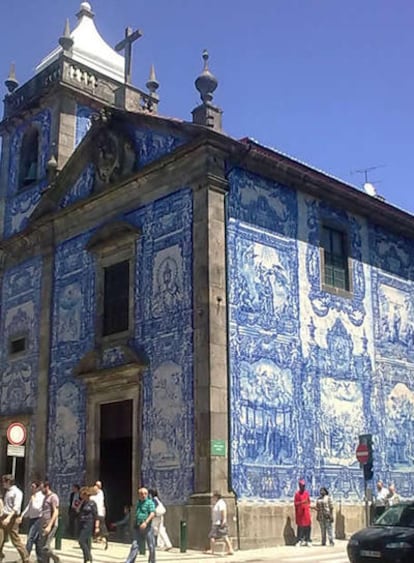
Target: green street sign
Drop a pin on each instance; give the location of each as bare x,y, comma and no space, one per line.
218,447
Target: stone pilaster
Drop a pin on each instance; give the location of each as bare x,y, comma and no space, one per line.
4,178
66,130
40,418
210,353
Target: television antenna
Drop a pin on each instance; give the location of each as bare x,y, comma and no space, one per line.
368,186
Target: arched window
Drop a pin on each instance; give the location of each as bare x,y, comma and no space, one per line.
29,157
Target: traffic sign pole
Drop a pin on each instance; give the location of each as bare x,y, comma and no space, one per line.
362,455
16,436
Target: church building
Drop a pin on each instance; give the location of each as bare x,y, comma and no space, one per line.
184,310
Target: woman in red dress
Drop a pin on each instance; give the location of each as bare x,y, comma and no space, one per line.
303,514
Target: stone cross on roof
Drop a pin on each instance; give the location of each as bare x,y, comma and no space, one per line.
126,44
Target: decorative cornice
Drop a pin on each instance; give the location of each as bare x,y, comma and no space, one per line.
114,232
27,243
92,371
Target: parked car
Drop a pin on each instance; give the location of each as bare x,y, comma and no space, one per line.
390,539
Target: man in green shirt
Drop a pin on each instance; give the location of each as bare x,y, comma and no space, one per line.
144,514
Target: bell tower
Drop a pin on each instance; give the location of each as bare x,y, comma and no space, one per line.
46,118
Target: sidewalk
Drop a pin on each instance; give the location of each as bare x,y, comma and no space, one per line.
117,553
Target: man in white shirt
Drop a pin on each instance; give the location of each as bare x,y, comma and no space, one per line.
33,512
99,500
219,528
381,500
11,511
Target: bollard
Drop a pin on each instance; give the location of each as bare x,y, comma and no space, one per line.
183,536
59,534
141,544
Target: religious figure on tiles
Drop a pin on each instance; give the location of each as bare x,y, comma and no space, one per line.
16,391
263,282
396,324
340,418
168,293
396,328
261,213
266,426
70,303
67,429
400,416
265,291
20,320
169,408
340,346
249,276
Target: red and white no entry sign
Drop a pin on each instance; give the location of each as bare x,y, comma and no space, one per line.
16,434
362,453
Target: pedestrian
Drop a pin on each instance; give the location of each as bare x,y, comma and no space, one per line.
2,556
11,511
219,528
143,532
162,539
325,515
393,497
302,514
73,512
48,523
99,498
380,501
33,512
88,522
123,526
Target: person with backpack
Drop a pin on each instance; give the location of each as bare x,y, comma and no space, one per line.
325,515
162,539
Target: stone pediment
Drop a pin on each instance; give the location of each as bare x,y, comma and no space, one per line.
117,145
111,364
112,156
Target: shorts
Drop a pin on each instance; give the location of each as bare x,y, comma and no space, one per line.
217,532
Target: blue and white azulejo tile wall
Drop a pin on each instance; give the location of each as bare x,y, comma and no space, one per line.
163,332
310,370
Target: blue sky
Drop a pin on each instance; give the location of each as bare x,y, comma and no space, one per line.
330,82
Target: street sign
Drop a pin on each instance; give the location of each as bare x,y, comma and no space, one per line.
15,451
16,434
218,448
362,453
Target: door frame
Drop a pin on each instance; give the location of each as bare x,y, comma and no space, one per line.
99,395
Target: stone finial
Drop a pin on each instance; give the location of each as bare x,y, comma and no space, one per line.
11,82
152,83
66,41
52,167
206,83
85,9
206,113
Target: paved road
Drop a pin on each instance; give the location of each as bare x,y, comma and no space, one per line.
307,555
117,553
